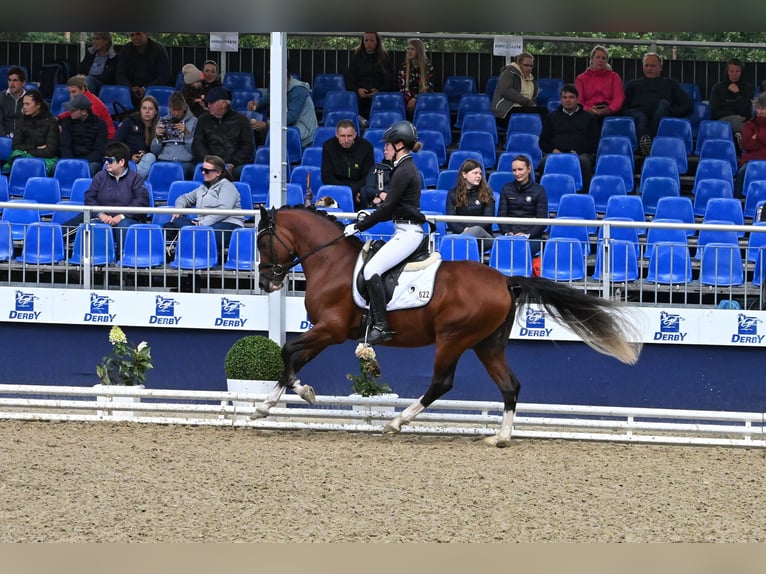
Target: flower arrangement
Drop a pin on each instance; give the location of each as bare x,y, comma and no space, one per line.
127,363
367,382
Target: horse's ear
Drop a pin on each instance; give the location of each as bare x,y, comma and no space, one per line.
265,218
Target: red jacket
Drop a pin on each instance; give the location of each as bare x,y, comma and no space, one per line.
98,108
600,86
753,140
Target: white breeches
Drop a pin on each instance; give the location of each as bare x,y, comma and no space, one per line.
404,242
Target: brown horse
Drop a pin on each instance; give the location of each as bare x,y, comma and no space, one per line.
473,307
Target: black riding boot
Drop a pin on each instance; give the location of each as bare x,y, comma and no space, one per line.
380,331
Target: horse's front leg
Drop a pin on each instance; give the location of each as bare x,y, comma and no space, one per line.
295,354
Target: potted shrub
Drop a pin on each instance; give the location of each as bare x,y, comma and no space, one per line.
253,364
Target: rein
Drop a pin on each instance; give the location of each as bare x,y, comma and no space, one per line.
278,269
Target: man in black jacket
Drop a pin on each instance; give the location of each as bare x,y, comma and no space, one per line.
651,98
570,129
142,63
347,159
83,134
224,132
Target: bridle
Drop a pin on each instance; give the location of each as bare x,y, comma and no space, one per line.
279,270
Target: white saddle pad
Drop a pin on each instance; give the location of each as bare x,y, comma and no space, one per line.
414,289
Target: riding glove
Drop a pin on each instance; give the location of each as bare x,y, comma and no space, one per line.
350,229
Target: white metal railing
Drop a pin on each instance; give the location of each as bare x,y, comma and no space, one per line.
217,279
444,417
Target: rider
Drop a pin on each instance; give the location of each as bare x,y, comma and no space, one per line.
402,204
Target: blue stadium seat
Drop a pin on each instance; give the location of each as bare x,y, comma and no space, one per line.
434,141
322,134
482,142
510,254
756,193
239,81
721,265
428,163
242,252
653,188
434,201
655,235
709,189
324,83
342,195
673,148
563,259
161,175
556,185
459,248
294,145
337,100
42,190
521,142
620,126
680,208
457,157
161,94
240,99
628,206
456,86
670,264
69,169
549,89
619,165
497,179
257,176
525,123
144,247
43,244
616,145
312,155
711,168
755,170
332,117
472,103
6,241
6,147
101,244
577,232
602,187
111,93
725,209
707,236
483,122
713,129
381,119
307,174
720,149
22,169
435,121
432,102
447,178
658,167
623,261
375,135
677,128
196,248
388,101
567,163
578,206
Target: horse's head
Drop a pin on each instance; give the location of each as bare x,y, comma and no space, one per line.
275,252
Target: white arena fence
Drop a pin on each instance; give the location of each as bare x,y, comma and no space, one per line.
368,415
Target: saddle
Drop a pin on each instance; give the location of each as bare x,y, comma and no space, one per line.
408,284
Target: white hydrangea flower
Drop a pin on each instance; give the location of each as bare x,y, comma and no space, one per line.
117,336
365,352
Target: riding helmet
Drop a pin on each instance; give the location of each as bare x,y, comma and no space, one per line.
403,131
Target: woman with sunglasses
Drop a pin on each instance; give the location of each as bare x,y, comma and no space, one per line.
516,91
216,192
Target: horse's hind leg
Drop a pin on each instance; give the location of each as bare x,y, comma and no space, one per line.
441,382
493,359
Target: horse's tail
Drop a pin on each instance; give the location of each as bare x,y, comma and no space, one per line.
601,323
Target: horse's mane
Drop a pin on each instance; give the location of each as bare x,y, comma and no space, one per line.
318,212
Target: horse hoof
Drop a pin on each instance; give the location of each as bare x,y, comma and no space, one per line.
260,412
496,442
306,392
391,428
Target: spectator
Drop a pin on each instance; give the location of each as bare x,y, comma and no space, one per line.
194,90
115,186
516,91
523,198
731,100
415,74
137,132
300,111
143,62
77,85
37,131
601,88
10,108
99,66
753,142
210,76
570,129
471,197
369,71
175,134
223,132
83,134
216,192
347,159
651,98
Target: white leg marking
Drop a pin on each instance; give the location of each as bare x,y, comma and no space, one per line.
503,436
306,392
404,418
262,410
